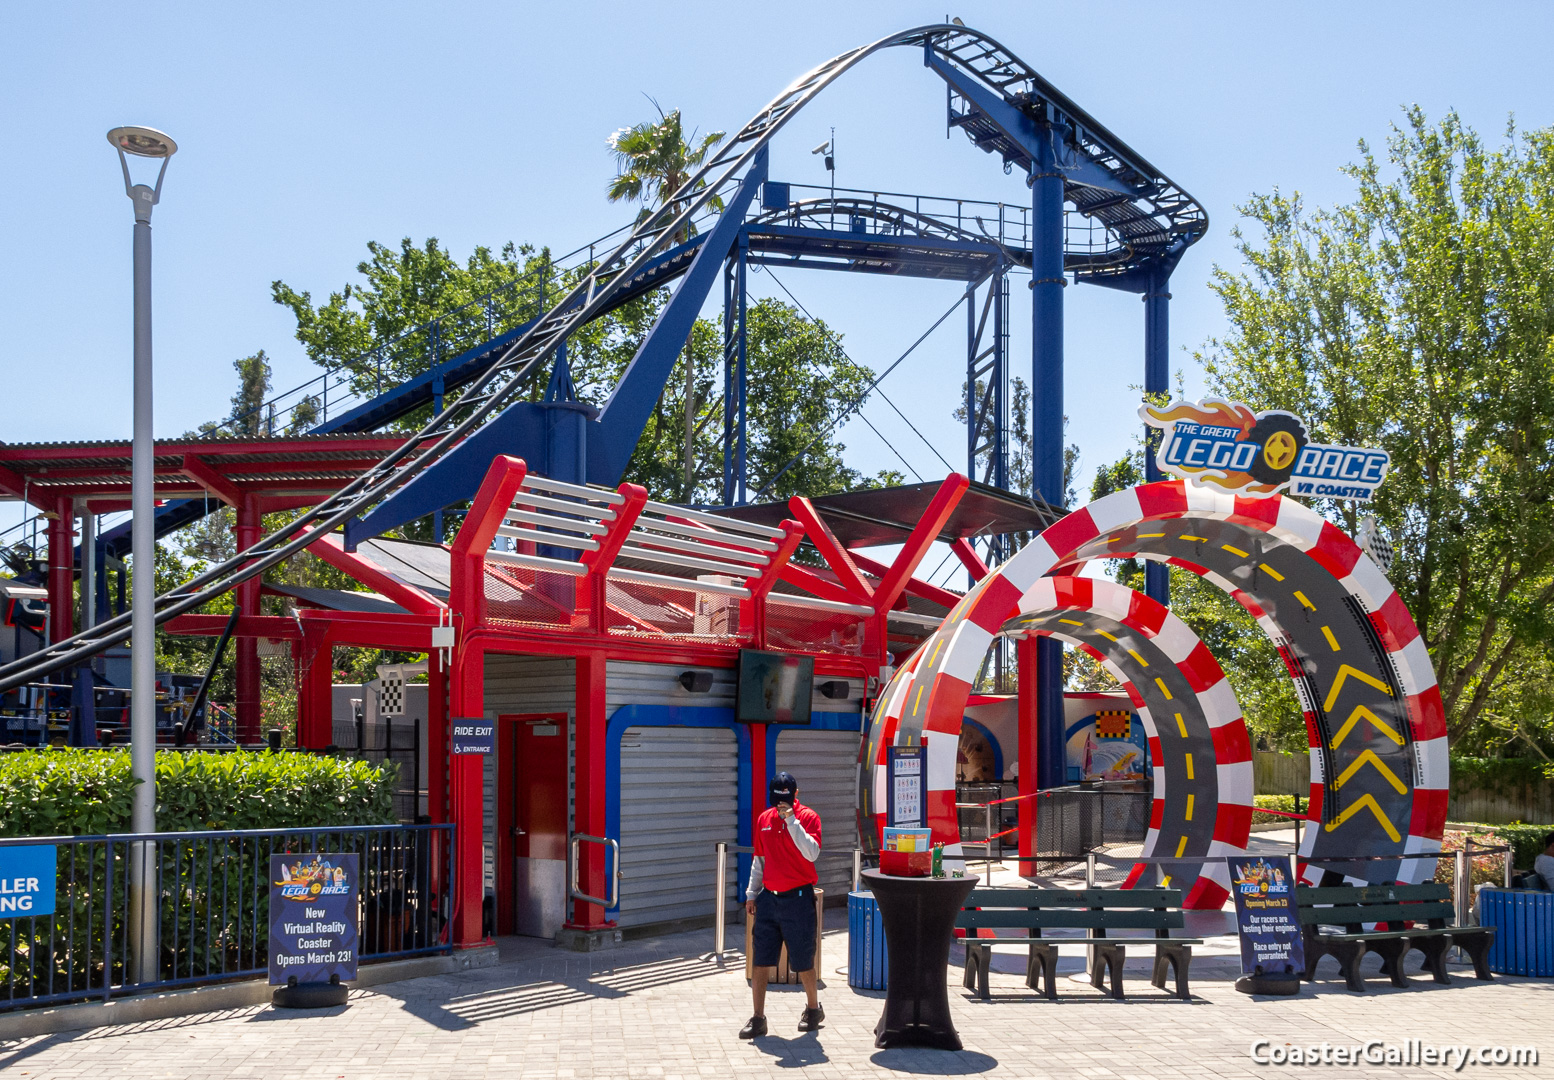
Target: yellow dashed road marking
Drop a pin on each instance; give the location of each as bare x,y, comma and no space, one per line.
1271,572
1105,635
1181,725
1181,847
1140,659
1189,809
1071,622
1189,766
1195,539
1236,551
1307,604
917,702
1164,689
1331,640
1150,536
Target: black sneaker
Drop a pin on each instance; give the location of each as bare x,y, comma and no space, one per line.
754,1029
810,1021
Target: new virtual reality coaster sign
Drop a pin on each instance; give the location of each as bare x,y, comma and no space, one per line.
1225,444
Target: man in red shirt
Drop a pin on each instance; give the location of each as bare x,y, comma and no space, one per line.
781,896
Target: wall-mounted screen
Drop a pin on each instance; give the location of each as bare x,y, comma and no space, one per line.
774,688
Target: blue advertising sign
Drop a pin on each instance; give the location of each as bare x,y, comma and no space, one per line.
314,917
27,880
474,735
906,771
1266,918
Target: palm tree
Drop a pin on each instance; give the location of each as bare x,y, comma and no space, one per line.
653,161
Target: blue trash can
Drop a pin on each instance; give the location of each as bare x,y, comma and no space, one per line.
866,963
1524,930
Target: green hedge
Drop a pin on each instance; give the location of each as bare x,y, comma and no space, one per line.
1275,802
67,792
1497,773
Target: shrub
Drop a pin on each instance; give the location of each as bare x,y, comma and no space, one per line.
1285,803
63,792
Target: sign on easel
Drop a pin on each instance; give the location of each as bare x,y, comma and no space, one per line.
314,919
906,777
1267,921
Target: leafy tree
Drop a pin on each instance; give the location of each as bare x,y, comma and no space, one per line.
253,374
655,160
1419,317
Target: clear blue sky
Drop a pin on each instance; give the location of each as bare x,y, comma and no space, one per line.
306,130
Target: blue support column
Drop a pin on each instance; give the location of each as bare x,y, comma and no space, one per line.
438,386
740,382
1047,283
1157,380
735,344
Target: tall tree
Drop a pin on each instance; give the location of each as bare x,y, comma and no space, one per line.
1419,317
253,387
653,161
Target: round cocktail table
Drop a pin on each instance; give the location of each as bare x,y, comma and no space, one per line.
919,918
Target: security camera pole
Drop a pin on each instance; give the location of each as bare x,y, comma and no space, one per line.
144,945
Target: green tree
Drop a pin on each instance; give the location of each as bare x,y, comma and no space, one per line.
653,162
1419,317
253,387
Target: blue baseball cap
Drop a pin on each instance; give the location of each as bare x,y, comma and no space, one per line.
783,788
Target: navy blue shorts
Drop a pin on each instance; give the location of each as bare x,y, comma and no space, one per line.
785,920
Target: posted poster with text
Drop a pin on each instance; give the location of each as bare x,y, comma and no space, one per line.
1266,918
314,917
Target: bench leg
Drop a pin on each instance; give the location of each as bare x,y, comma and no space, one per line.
1108,957
1042,966
1392,951
1476,944
1313,951
1178,958
1434,948
979,959
1348,954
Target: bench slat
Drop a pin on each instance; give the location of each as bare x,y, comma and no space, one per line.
1131,919
1083,941
1343,916
1370,894
1075,898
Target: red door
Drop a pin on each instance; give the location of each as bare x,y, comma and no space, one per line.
532,824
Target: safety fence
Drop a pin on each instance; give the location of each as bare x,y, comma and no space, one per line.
1071,822
209,907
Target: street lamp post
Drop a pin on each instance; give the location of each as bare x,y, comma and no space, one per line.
148,143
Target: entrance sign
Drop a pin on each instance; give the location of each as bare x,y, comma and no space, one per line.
1266,920
314,917
907,770
27,880
474,735
1257,454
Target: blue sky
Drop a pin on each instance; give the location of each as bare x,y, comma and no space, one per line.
307,130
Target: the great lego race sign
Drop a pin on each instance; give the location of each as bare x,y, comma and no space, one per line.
1227,445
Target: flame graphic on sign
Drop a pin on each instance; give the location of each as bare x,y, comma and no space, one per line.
1218,412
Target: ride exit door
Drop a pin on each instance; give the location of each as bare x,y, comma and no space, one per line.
532,758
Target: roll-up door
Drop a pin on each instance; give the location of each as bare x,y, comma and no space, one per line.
825,763
679,795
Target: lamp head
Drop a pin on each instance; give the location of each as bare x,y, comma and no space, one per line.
143,142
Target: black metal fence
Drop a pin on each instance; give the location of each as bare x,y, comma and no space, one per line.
211,898
1072,822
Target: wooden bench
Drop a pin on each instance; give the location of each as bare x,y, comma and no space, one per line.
1390,907
1095,910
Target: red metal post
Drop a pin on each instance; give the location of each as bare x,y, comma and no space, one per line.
588,811
1025,728
466,805
61,586
315,688
249,705
436,737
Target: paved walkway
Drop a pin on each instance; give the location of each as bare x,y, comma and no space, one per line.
653,1010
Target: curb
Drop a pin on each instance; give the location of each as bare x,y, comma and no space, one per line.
206,999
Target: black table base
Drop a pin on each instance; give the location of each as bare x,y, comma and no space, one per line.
919,918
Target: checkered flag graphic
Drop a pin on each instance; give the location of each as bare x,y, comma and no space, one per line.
391,692
1374,544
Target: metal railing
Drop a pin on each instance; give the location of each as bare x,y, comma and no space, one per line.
575,888
211,907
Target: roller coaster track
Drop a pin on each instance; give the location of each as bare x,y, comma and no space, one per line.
1155,214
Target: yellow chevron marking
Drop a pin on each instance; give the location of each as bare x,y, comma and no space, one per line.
1189,766
1181,725
1367,802
1189,808
1195,539
1331,640
1271,572
1071,622
1307,604
1361,712
1181,847
1236,551
1164,689
1140,659
1105,635
1370,757
1344,671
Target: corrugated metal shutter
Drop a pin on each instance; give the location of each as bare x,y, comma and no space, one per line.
825,764
679,795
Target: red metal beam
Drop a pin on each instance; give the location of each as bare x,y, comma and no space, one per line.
331,549
467,592
792,536
831,550
12,483
210,480
915,586
824,588
924,534
275,627
374,447
970,559
618,531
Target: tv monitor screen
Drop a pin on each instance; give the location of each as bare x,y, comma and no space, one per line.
774,688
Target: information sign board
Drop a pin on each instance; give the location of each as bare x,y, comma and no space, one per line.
906,773
27,880
314,917
474,735
1267,921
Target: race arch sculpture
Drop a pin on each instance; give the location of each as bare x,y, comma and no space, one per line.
1374,718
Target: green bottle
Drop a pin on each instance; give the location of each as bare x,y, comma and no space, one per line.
938,860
